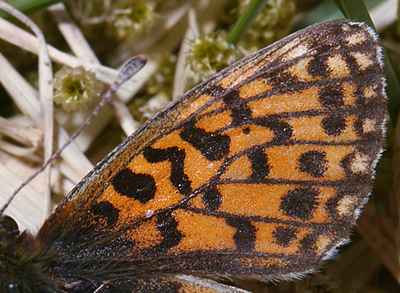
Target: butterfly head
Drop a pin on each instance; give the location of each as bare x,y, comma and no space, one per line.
24,262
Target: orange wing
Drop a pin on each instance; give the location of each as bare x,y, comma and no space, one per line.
259,171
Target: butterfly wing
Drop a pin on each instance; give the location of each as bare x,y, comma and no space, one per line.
259,171
174,283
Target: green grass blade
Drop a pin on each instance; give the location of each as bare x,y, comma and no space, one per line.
245,20
29,6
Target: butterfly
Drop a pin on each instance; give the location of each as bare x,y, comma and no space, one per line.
260,173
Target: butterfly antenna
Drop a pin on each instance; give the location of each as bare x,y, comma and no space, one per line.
128,70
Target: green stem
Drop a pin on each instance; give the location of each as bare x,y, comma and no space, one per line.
30,6
245,20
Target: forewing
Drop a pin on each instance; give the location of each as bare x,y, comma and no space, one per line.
261,170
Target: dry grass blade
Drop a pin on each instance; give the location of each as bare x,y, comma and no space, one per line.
45,94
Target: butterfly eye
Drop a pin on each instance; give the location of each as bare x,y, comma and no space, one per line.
8,228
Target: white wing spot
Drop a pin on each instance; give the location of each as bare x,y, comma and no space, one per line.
363,60
355,39
360,163
300,50
368,125
345,206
